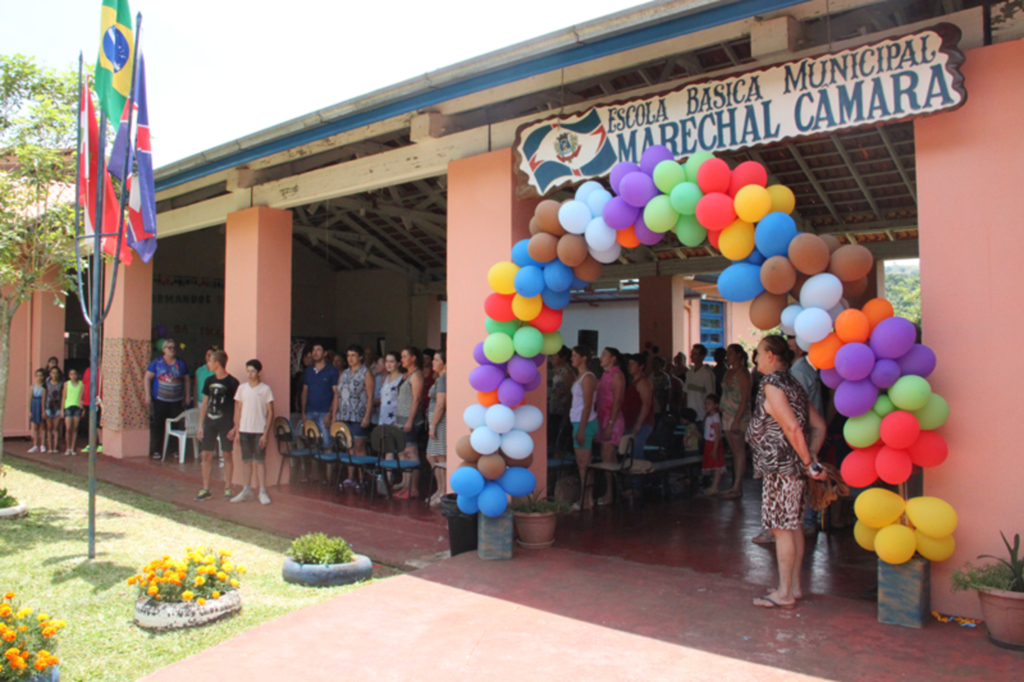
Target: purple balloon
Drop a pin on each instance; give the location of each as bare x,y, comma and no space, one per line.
654,155
521,369
831,378
919,360
885,373
619,215
619,171
481,359
854,362
893,338
539,359
486,378
637,189
534,383
645,234
854,398
511,393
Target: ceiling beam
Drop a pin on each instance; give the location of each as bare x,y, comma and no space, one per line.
360,254
896,160
822,194
856,176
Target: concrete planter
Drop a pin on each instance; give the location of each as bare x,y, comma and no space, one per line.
155,615
1004,617
51,674
535,531
329,575
13,512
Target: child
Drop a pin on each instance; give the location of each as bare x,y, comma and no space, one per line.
254,413
72,401
217,423
37,420
714,453
52,408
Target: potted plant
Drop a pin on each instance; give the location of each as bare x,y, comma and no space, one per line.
535,519
9,507
27,641
1000,588
316,560
199,589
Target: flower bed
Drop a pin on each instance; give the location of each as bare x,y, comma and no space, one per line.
28,641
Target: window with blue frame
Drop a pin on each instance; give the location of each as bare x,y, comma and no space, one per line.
712,324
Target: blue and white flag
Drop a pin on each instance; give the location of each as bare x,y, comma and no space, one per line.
580,149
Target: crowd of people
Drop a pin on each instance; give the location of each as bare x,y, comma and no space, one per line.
58,407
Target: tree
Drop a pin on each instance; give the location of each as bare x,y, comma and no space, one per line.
38,115
903,289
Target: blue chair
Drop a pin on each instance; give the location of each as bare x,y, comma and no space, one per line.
388,439
286,445
341,443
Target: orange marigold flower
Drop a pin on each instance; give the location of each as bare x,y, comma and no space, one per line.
22,628
9,595
19,664
200,601
9,636
5,610
41,664
49,632
153,590
215,595
11,653
187,596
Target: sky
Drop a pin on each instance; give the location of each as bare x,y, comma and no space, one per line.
221,69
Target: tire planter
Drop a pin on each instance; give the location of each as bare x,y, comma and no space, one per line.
159,616
1004,617
535,531
327,575
51,674
13,512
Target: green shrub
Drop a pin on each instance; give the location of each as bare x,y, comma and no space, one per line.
6,499
535,504
317,548
1004,575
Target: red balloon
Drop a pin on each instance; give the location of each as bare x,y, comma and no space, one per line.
858,468
929,450
499,307
716,211
899,429
714,176
548,321
713,238
747,173
893,466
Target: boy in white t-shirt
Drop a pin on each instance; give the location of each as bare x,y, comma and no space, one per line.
254,413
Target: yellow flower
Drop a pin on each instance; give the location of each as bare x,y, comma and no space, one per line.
152,590
226,566
23,612
233,582
241,569
49,632
9,596
200,581
200,601
5,610
187,596
209,559
225,552
41,664
222,576
215,595
43,616
22,628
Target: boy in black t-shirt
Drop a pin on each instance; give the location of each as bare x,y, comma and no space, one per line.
217,423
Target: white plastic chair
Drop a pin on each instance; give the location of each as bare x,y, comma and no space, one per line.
191,431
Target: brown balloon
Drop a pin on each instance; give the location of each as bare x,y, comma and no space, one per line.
851,262
543,247
855,289
547,217
572,249
524,463
588,270
534,226
800,279
464,449
766,310
809,253
778,275
831,242
491,466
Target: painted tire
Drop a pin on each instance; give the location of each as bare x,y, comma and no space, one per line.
316,575
154,615
51,674
13,512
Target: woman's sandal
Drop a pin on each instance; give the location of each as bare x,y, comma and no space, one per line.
772,604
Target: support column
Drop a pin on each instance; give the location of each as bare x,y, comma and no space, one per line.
662,315
127,350
433,321
484,220
48,323
258,307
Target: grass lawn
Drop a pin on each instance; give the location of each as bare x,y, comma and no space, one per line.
43,560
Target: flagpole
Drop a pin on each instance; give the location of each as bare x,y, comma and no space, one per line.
78,195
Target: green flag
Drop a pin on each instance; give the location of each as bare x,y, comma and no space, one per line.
117,53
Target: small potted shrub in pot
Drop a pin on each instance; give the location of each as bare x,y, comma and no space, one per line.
9,507
28,641
535,520
1000,588
319,561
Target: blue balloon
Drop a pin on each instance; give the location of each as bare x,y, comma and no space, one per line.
597,199
467,481
755,258
517,481
529,281
492,500
578,283
740,282
468,504
556,300
521,254
557,276
774,233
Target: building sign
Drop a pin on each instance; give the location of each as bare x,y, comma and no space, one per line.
893,80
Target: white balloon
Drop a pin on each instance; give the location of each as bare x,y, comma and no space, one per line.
529,418
599,236
474,416
597,200
607,256
789,317
500,418
574,216
485,441
835,311
804,344
812,325
584,191
821,291
516,444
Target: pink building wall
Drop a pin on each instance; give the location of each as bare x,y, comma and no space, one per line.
969,170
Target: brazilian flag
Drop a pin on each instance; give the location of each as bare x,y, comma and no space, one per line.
117,53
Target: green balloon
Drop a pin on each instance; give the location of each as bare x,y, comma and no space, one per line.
883,406
528,341
910,392
667,175
493,326
690,232
685,196
862,431
934,414
659,214
693,163
552,343
158,346
498,347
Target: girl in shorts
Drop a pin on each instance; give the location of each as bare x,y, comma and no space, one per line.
53,407
72,401
36,418
583,417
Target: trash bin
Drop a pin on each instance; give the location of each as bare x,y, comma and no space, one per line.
462,528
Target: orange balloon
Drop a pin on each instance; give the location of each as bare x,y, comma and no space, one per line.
534,226
778,275
823,353
464,449
542,247
766,310
572,249
853,326
588,270
547,217
809,253
627,238
877,309
487,399
491,466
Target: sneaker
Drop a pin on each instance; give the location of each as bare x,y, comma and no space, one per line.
349,483
228,493
42,448
204,495
34,448
243,496
264,497
68,453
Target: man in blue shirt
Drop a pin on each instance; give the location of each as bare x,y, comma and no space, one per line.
167,385
319,383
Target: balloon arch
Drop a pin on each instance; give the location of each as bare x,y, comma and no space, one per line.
868,356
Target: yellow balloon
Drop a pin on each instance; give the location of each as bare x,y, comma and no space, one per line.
527,309
932,549
737,241
783,200
895,544
752,203
878,507
934,517
865,535
502,277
